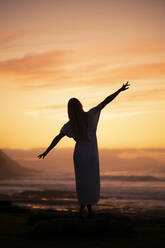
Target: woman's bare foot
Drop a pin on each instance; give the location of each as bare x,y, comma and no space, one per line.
90,211
81,212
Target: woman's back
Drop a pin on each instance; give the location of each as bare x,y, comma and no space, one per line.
93,118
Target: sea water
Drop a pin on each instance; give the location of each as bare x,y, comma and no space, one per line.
119,189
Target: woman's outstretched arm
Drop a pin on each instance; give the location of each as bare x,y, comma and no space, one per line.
52,145
112,96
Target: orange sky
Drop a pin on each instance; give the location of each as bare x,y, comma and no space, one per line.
54,50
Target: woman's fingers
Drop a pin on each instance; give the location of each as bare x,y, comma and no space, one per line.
40,156
127,84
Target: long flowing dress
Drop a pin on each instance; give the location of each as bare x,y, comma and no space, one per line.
86,160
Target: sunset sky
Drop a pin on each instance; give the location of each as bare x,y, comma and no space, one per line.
52,50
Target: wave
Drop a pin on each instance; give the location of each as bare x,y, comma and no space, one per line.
52,180
133,178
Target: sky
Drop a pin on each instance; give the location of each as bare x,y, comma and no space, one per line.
53,50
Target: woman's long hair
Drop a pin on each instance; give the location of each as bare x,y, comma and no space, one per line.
78,119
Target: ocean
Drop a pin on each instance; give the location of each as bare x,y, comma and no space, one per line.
119,189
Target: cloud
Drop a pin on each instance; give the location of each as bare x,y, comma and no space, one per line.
34,64
60,67
56,62
140,71
156,94
6,37
141,47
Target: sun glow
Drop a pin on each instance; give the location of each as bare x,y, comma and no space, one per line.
56,54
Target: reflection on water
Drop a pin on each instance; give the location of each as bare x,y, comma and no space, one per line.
59,199
40,206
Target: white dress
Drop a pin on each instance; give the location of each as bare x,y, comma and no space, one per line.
86,160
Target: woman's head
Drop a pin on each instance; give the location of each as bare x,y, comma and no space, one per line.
78,119
74,107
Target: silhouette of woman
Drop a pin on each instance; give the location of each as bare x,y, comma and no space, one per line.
82,128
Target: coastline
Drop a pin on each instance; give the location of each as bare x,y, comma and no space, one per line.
63,200
48,227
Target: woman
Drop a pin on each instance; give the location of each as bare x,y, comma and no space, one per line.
82,128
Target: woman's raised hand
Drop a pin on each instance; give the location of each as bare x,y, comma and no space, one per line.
125,86
42,155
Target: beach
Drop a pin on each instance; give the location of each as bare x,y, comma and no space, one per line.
42,211
39,227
